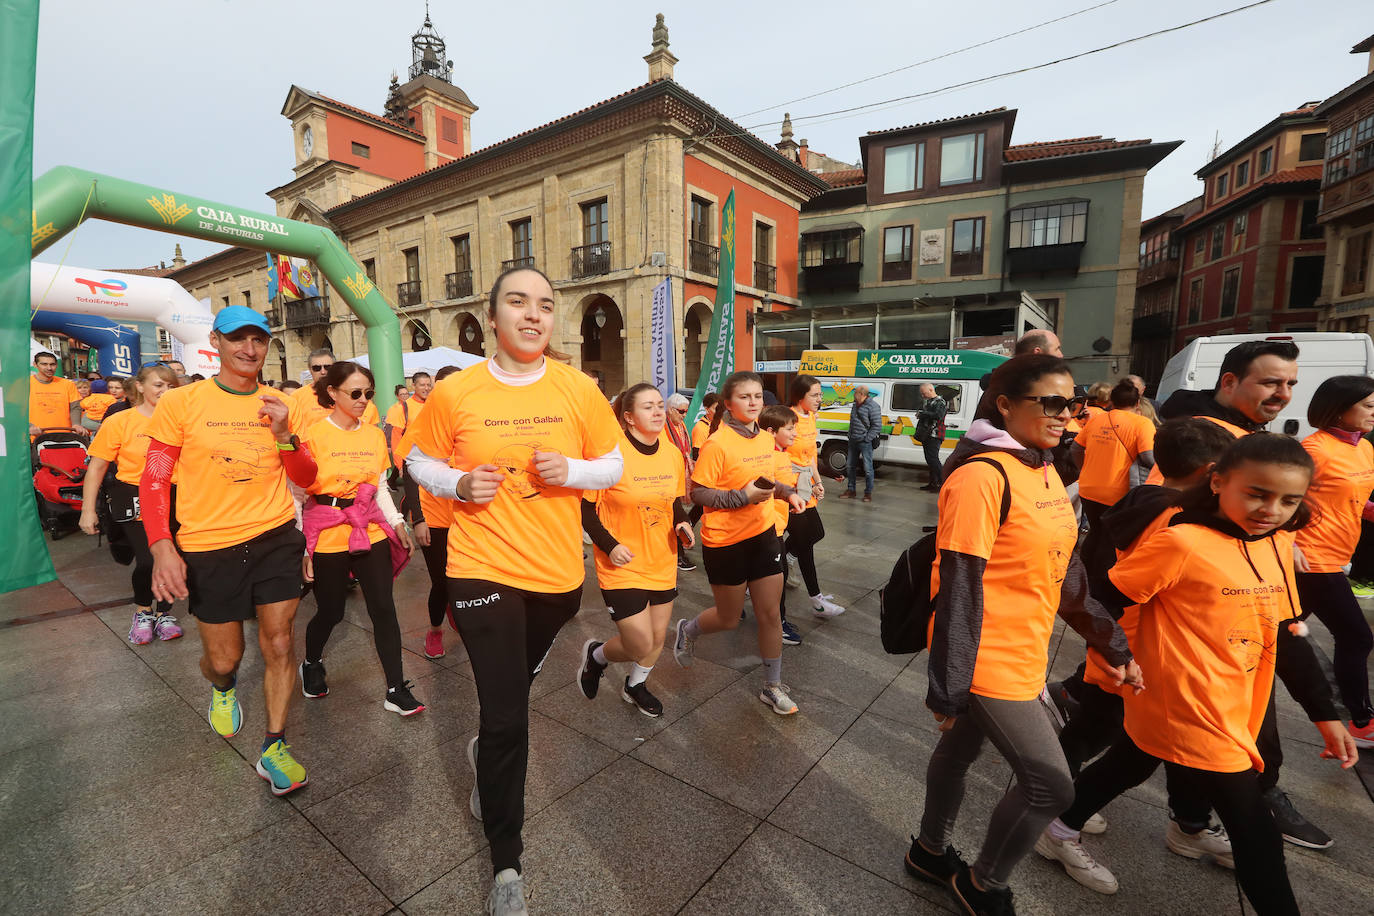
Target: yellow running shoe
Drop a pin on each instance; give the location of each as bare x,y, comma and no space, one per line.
225,717
280,769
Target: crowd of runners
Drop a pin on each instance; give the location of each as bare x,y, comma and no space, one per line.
1189,556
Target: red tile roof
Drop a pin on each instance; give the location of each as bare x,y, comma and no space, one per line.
1050,149
1303,174
842,178
963,117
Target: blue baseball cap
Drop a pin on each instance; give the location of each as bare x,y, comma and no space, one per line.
233,317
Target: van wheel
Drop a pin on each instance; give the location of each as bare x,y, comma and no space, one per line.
834,458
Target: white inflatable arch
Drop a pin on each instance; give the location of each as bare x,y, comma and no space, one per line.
130,297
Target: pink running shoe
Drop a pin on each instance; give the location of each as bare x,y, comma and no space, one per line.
141,633
434,644
166,627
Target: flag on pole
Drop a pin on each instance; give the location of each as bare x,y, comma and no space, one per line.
719,359
281,278
306,283
662,371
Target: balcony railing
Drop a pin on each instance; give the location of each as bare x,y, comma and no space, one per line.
765,277
1044,259
273,317
408,293
591,260
306,313
703,258
458,284
1160,270
513,263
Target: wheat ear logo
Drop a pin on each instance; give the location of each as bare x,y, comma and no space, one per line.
873,363
168,208
358,284
40,232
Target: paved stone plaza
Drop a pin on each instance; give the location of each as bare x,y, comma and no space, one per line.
116,797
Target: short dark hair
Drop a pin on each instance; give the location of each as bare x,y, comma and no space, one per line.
290,385
1030,340
1125,394
1260,448
421,374
445,373
776,417
801,384
42,353
336,376
398,389
710,399
1238,359
1013,379
1185,444
1335,396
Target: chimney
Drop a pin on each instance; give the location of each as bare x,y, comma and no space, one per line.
660,59
802,154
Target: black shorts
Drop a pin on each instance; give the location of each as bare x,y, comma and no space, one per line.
753,558
228,584
627,602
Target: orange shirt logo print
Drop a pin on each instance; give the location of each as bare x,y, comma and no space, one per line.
522,479
1252,640
242,460
653,516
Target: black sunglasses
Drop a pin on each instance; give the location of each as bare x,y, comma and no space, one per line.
320,368
359,393
1055,404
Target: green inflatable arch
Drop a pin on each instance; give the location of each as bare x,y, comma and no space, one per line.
64,196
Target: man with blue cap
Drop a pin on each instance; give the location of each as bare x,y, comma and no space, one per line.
237,553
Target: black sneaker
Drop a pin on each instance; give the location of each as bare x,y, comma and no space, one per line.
927,866
401,700
979,903
589,677
1295,828
791,636
312,680
639,696
685,563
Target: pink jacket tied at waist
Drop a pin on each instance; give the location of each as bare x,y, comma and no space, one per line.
317,517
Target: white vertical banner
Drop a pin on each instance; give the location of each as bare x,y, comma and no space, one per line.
662,371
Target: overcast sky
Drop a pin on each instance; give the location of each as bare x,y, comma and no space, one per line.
187,95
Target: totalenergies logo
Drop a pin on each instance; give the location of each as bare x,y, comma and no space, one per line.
113,288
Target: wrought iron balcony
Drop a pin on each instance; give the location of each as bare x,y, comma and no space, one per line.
408,293
273,317
765,277
518,262
458,284
835,277
306,313
703,258
1044,259
591,260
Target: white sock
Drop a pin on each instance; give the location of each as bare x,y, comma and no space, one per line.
599,655
638,675
772,670
1062,831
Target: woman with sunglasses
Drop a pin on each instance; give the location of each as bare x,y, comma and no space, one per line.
350,522
1006,563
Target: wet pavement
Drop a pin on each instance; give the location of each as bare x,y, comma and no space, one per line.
116,797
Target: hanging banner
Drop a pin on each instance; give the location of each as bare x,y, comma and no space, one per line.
662,371
719,359
25,560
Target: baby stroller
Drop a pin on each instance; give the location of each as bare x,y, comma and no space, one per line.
59,471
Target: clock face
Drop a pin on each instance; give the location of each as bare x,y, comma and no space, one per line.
307,141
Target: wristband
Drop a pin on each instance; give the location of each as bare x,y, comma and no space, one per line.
290,445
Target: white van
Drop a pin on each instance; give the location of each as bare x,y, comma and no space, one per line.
893,379
1320,356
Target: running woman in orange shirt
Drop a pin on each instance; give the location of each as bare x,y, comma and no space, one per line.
733,480
123,441
349,456
1213,587
997,586
635,527
232,445
805,530
309,406
1342,413
513,440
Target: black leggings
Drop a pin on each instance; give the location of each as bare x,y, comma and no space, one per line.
143,566
508,633
373,572
436,561
804,532
1255,838
1328,596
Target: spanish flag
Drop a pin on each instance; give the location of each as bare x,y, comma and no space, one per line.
281,279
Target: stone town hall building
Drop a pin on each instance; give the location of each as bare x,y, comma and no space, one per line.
608,201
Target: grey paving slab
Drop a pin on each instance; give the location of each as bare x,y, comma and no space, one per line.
122,691
739,750
845,665
37,599
286,862
592,851
777,873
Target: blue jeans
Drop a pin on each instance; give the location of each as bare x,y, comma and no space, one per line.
860,449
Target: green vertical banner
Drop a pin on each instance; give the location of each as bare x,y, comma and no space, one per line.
25,561
719,359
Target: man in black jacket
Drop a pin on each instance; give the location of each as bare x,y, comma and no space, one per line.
865,425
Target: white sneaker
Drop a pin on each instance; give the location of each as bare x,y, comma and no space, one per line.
794,576
1078,862
1212,843
508,893
825,606
1096,825
474,800
775,695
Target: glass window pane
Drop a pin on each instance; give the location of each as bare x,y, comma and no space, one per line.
958,159
899,169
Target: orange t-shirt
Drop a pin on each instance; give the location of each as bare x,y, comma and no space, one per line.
231,486
437,511
1340,488
638,512
1027,559
1156,476
701,431
95,405
784,471
50,405
399,417
346,459
803,449
728,461
1205,640
530,535
1112,440
124,441
312,412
